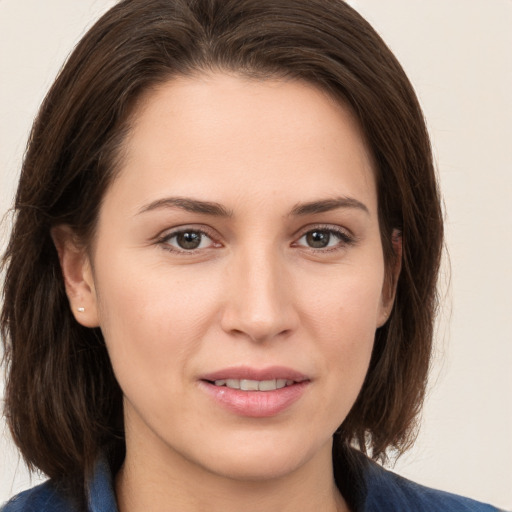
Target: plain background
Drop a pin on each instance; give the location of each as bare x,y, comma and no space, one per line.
457,53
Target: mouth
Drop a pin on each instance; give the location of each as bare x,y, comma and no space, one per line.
253,385
253,392
247,378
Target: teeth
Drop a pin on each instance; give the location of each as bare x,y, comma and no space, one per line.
248,385
267,385
254,385
231,383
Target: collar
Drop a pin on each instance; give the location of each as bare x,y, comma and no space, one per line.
100,488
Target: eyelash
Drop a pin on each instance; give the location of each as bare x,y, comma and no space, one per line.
165,239
345,239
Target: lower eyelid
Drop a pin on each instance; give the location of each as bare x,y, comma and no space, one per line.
344,239
342,235
164,239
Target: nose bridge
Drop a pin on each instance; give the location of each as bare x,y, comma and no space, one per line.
260,304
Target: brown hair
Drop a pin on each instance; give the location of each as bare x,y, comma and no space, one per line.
63,404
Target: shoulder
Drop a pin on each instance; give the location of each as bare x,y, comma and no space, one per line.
43,498
388,491
63,497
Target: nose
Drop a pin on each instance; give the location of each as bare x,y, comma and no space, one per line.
259,303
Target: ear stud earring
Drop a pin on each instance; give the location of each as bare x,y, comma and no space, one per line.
80,310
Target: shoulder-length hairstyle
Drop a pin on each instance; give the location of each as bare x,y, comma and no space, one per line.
62,402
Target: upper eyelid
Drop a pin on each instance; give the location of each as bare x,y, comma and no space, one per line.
210,232
335,228
346,238
170,232
163,240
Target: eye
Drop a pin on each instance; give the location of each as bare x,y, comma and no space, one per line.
187,240
325,238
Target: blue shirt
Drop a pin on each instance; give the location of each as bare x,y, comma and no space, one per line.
382,491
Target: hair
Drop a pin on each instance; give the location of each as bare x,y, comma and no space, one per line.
62,402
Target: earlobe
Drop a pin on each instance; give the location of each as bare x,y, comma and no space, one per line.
391,279
77,274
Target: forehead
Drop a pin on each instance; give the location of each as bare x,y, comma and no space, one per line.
212,134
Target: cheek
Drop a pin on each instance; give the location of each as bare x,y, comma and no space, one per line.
348,301
343,317
152,320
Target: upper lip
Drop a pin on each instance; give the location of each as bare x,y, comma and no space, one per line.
249,373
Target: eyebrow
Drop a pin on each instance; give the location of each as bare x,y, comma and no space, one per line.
327,205
189,205
217,210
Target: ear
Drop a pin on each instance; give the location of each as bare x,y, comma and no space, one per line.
391,279
78,277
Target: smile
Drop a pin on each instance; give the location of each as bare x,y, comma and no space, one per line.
254,385
255,393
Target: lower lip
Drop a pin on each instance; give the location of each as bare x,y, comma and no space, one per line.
255,404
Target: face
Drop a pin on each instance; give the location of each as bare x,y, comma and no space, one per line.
238,247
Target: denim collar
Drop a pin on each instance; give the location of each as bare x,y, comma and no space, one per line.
378,490
100,488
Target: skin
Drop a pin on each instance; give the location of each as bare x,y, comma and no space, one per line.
253,293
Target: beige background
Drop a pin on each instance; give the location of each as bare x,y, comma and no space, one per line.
458,55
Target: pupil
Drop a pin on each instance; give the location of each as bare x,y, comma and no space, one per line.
189,240
318,239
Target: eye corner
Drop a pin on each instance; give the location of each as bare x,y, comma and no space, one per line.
325,234
189,240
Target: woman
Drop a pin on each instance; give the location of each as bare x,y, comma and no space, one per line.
220,284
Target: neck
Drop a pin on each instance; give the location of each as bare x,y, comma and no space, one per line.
164,481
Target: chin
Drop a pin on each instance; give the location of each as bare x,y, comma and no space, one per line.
258,469
257,460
